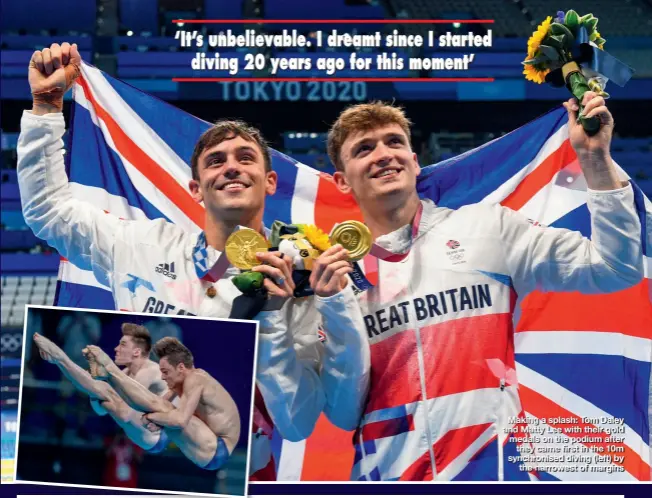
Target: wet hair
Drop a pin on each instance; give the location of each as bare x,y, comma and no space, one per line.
226,130
360,118
175,352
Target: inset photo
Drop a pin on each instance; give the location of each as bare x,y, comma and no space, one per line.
140,401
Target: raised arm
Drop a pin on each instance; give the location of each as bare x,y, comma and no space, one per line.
556,259
78,230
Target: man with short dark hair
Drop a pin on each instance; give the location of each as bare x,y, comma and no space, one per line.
154,266
174,352
205,425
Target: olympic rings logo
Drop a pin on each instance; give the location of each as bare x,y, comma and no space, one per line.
10,343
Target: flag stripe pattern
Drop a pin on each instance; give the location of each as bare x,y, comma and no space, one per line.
130,152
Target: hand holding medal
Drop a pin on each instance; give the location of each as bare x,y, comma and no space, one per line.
248,250
350,241
305,256
353,236
242,246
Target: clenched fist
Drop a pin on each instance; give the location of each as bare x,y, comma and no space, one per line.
593,152
584,145
52,72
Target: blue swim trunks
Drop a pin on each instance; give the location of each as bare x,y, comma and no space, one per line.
160,444
221,456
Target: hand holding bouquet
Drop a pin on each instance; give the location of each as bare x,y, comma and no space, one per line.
568,51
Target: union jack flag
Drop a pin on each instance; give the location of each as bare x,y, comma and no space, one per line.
577,355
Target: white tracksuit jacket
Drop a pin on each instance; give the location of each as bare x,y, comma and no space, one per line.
298,375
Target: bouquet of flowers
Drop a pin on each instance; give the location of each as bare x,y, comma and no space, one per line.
569,51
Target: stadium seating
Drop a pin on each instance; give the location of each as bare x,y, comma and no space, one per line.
55,16
139,16
223,9
520,17
138,43
628,19
334,9
309,149
508,17
14,62
171,64
39,42
303,142
17,291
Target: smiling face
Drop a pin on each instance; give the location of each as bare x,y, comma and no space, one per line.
378,163
369,145
231,173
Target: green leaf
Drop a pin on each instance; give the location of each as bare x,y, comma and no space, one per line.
571,20
599,41
549,52
585,18
591,24
566,38
560,29
578,85
556,42
537,60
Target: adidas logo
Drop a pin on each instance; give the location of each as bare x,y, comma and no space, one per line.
166,270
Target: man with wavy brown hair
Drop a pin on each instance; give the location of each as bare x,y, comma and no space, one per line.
439,319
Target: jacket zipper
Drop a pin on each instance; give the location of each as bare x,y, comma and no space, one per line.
424,400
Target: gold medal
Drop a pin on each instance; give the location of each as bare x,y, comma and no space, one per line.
354,236
242,246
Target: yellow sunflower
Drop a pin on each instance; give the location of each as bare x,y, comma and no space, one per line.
316,237
533,74
537,37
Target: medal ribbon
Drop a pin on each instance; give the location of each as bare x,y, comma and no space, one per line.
358,276
200,258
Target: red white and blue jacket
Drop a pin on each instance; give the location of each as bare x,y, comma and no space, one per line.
439,321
